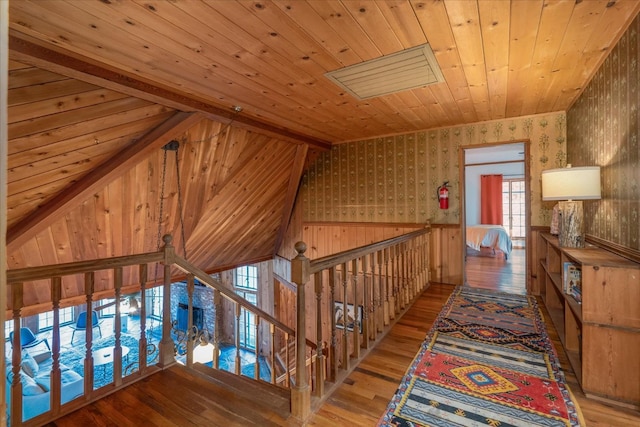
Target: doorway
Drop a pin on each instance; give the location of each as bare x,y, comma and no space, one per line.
488,261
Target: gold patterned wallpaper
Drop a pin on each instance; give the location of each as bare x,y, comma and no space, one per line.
603,128
394,179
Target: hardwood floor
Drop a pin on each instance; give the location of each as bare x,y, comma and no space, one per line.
359,401
488,271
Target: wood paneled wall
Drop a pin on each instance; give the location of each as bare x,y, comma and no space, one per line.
446,256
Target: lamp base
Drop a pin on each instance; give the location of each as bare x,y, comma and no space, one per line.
571,225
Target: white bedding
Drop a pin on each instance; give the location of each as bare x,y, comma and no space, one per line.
489,236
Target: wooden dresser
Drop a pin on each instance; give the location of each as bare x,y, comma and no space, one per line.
601,335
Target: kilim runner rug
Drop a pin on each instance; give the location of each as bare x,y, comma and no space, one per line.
487,361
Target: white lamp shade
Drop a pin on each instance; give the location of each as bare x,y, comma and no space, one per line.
581,183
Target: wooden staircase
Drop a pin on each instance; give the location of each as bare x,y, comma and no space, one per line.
199,396
280,364
261,396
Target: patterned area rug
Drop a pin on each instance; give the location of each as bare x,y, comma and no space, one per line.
487,361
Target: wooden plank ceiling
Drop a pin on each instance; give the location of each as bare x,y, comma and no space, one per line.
96,88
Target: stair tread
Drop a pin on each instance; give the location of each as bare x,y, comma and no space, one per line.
260,392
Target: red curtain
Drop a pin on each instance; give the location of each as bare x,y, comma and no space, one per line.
491,199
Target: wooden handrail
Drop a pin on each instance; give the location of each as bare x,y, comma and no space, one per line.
79,267
202,276
327,262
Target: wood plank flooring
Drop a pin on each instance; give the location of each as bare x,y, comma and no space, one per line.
488,271
168,399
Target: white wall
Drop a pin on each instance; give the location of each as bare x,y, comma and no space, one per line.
472,185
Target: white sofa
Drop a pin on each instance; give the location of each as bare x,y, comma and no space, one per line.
35,373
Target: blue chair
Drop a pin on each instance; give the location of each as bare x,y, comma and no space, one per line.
81,323
28,339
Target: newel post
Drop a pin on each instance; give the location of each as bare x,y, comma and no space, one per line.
167,351
301,393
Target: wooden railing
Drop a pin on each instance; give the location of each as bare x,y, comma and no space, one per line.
376,283
358,293
280,335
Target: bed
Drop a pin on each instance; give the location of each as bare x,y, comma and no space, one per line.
489,236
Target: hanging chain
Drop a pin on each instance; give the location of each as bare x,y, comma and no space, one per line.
155,278
164,175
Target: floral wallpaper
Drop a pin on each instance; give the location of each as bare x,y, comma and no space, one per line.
394,179
603,129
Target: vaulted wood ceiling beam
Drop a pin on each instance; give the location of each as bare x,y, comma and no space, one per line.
98,178
25,49
294,182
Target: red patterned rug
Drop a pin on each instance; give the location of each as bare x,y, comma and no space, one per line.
487,361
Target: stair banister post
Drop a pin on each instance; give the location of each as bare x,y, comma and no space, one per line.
167,354
301,393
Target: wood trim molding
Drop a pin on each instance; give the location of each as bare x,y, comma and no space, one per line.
25,49
623,251
365,224
451,226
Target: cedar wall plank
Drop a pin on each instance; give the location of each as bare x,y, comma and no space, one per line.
89,126
74,101
30,76
62,88
69,118
119,134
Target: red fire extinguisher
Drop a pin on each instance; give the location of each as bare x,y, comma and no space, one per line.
443,195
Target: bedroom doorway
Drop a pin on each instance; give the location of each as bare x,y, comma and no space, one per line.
496,251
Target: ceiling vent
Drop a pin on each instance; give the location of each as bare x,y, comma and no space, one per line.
408,69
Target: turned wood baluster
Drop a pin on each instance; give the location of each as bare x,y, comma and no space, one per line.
167,349
287,360
366,302
402,284
413,268
375,291
89,284
55,383
16,355
238,359
356,316
381,293
397,284
217,303
393,303
345,333
333,356
190,330
117,351
142,345
319,374
388,297
405,273
256,371
272,357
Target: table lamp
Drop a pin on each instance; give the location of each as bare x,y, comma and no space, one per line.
570,186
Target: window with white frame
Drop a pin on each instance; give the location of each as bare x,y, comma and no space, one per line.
513,207
154,301
45,320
